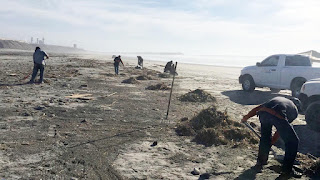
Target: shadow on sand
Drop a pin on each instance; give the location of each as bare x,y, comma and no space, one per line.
14,84
309,140
248,174
251,98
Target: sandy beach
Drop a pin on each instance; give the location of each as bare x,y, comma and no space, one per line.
84,123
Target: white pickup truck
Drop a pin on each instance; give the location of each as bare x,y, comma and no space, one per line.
281,71
310,99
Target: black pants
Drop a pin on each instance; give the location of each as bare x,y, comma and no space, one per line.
37,67
287,134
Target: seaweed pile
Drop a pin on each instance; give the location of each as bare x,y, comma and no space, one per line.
160,86
309,165
314,170
197,95
213,127
164,75
144,77
131,80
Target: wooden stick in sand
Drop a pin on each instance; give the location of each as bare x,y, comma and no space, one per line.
174,74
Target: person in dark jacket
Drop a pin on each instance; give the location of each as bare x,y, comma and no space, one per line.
278,112
38,64
116,63
168,66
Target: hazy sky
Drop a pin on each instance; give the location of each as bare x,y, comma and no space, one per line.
223,27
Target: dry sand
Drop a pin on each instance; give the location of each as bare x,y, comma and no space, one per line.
108,131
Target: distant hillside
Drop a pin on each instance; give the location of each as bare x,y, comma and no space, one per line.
11,44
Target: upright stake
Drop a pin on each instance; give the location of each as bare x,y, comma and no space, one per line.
174,74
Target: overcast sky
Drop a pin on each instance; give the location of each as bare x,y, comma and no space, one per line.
215,27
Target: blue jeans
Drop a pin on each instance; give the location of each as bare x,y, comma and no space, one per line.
37,67
287,134
116,68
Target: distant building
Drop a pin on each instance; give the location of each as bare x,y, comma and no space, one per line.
37,40
74,45
31,40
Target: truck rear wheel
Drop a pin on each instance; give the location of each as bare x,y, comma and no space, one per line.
296,87
313,116
248,84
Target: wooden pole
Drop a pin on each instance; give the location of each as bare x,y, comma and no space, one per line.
174,74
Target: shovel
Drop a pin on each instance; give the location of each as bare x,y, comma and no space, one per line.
258,135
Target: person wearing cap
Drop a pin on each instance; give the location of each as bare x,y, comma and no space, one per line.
278,112
116,63
38,64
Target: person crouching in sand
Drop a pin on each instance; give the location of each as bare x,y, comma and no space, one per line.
278,112
38,64
116,63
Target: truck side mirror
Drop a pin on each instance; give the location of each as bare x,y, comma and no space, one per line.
258,64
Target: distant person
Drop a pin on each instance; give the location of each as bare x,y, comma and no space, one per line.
116,63
140,61
38,64
168,67
278,112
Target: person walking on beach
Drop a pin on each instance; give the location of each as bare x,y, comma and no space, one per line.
38,64
116,63
278,112
140,61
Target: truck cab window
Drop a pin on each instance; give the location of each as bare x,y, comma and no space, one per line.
297,60
271,61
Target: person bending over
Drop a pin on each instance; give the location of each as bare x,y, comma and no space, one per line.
278,112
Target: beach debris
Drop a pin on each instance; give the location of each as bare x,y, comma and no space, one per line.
213,127
310,165
12,74
184,119
164,75
138,67
26,114
160,86
204,176
39,108
83,86
25,143
65,85
151,72
252,124
314,170
46,81
81,96
144,77
111,94
154,143
109,74
131,80
197,95
195,171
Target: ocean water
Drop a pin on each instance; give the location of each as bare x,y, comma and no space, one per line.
217,60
